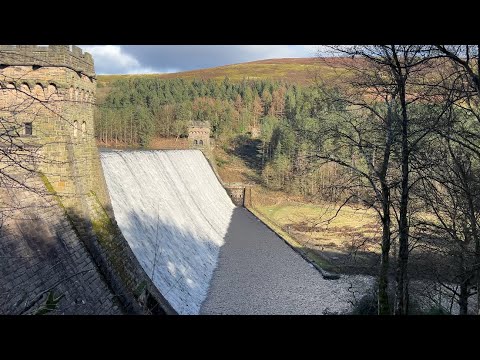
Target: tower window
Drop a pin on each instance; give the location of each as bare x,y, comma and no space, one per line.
201,142
28,129
75,128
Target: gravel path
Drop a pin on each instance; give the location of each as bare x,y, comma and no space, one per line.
257,273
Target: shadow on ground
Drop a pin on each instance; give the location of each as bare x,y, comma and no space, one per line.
249,150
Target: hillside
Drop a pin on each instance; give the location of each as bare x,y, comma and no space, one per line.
295,70
292,70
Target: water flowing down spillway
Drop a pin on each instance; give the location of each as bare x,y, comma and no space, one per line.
174,214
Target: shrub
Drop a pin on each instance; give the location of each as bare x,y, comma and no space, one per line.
367,305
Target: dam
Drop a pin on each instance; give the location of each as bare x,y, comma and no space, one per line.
132,232
173,242
174,214
204,254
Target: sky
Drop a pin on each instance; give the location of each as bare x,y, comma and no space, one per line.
142,59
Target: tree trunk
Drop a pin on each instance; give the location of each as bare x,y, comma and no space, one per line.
383,303
131,129
463,299
476,237
125,127
263,154
477,272
402,266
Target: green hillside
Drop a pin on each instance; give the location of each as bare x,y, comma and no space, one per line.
292,70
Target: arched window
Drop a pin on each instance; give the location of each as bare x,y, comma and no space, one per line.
201,142
84,129
51,90
25,88
22,98
38,91
75,128
195,142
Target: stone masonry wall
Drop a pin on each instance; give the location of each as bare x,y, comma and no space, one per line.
236,193
41,252
54,90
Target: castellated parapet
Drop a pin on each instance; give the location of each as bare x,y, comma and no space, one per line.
50,56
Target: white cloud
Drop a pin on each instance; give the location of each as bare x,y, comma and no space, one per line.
111,56
258,52
283,51
149,70
112,59
316,50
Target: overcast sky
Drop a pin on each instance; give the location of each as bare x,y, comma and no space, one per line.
138,59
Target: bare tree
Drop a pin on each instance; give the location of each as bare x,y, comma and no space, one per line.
359,138
399,102
450,191
461,80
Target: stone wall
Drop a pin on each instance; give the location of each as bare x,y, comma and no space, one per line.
40,252
236,193
53,91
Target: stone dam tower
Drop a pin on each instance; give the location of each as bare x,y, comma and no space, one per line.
47,101
199,135
48,97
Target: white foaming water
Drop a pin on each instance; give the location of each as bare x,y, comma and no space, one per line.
174,214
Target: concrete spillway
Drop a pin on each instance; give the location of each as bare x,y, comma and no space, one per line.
174,214
179,222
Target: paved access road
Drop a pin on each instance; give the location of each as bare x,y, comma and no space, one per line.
258,273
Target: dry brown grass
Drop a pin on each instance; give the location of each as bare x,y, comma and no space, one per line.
169,143
316,225
231,168
155,144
